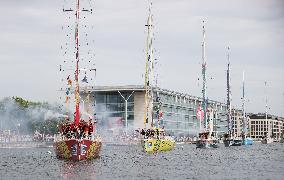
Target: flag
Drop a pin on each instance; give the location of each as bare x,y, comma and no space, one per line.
200,113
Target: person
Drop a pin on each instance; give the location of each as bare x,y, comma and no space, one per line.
91,128
157,131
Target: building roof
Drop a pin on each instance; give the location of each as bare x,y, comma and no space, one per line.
142,88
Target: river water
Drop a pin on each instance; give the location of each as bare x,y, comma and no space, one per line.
129,162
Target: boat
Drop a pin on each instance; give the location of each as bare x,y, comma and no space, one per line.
246,140
206,142
229,138
157,143
205,137
77,140
153,136
268,139
232,141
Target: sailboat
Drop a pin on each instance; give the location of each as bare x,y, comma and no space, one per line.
154,138
205,137
246,140
268,139
77,140
230,139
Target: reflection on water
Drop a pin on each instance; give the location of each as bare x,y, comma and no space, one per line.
77,170
129,162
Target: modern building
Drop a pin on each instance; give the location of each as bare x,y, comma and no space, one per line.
237,122
260,126
179,109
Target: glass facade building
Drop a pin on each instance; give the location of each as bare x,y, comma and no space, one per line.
179,110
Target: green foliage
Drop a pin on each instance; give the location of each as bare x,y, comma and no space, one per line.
25,103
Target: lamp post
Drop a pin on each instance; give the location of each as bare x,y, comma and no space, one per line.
126,102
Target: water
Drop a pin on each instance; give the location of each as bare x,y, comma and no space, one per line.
128,162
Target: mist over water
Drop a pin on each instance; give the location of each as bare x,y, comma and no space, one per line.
16,117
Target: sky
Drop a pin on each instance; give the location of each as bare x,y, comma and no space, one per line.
31,36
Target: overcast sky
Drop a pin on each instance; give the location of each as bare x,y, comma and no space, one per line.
31,36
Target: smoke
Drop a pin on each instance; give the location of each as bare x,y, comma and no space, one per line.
16,117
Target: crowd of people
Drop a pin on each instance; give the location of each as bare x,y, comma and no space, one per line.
70,130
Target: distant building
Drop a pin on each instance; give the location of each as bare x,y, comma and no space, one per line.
237,122
261,127
179,109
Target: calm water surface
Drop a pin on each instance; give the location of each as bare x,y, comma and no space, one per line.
128,162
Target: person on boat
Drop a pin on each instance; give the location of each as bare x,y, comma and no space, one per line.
143,132
158,133
91,128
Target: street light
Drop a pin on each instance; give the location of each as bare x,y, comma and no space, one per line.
126,122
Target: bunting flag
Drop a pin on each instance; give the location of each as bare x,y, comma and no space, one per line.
67,99
85,79
69,82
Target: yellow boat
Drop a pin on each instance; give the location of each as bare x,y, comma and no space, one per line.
158,145
155,141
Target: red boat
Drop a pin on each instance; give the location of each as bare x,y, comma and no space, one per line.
77,140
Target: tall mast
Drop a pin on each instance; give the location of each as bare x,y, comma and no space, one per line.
244,130
266,110
229,107
77,90
148,112
77,11
204,87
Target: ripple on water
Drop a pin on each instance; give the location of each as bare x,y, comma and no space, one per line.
129,162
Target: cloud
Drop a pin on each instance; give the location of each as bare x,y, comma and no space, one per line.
31,36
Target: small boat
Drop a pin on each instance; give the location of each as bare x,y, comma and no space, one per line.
267,140
232,142
247,141
156,141
153,137
205,142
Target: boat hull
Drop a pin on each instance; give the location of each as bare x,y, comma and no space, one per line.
76,150
206,144
247,141
232,142
267,141
157,145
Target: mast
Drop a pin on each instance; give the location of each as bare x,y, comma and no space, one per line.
244,130
204,87
266,109
229,107
77,11
148,112
77,88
